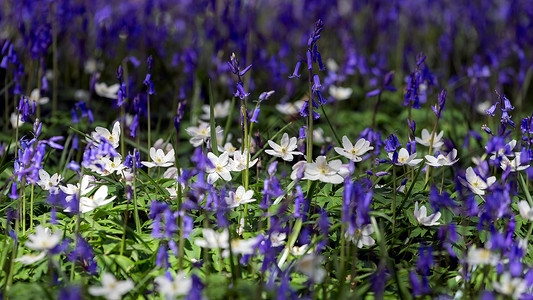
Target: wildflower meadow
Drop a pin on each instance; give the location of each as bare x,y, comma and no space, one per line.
178,149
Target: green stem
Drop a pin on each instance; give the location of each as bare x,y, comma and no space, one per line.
428,171
149,119
31,208
394,199
9,281
124,228
22,201
77,229
331,126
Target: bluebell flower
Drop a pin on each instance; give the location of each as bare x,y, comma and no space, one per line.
255,115
316,83
296,73
392,143
180,112
491,110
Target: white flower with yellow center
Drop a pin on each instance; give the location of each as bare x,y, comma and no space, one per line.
425,139
442,160
112,289
340,93
240,196
159,158
290,108
285,150
99,198
361,236
422,217
508,286
354,152
220,110
46,182
243,247
475,183
107,166
405,159
212,239
322,170
16,120
112,138
311,265
481,256
501,152
238,163
43,239
179,286
82,188
202,134
514,164
221,168
35,96
103,90
29,259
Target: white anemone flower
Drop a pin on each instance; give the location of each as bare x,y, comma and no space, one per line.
514,164
220,110
362,236
525,210
285,149
212,239
240,196
238,163
107,166
297,168
475,183
112,138
29,259
442,160
82,188
422,217
221,168
319,137
481,256
405,159
103,90
202,133
277,239
16,120
179,286
340,93
426,139
329,172
481,107
43,239
35,96
99,198
513,287
311,265
159,158
501,152
46,182
290,108
354,152
243,247
112,289
228,147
